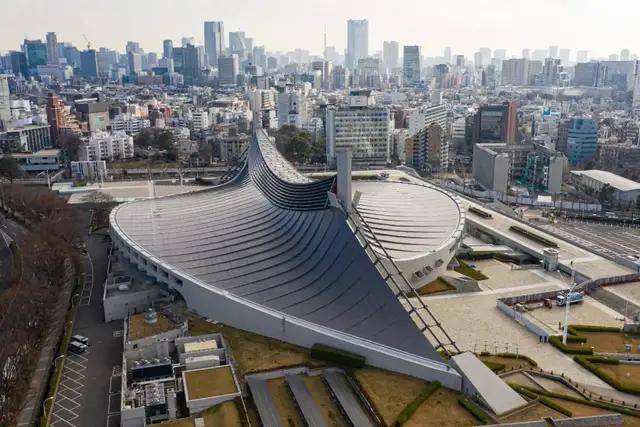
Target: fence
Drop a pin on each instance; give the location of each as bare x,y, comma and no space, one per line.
542,333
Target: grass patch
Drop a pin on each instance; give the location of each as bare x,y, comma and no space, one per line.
474,410
613,373
555,406
494,366
556,341
253,352
464,268
437,286
411,408
338,356
480,212
533,236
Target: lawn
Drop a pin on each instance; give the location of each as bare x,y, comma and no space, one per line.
580,410
469,271
611,342
435,287
210,382
224,414
388,392
443,410
628,375
535,412
286,407
252,352
322,398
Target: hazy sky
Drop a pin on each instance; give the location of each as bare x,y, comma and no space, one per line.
599,26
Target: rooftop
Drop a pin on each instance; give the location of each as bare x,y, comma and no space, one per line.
139,329
618,182
209,382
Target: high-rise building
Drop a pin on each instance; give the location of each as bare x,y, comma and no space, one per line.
625,55
428,149
553,52
411,65
590,74
526,53
357,41
5,107
89,63
361,126
135,63
292,107
36,52
214,42
238,44
52,49
485,55
187,41
133,47
190,64
167,48
390,54
539,55
19,63
515,72
447,55
582,56
55,116
565,54
228,69
496,123
582,140
500,54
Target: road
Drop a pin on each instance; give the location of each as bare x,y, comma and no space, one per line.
9,230
89,390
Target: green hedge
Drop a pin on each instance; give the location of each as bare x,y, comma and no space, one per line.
573,329
522,390
553,405
412,407
336,355
480,213
473,409
556,341
533,236
590,363
595,404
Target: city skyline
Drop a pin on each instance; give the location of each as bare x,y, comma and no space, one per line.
286,26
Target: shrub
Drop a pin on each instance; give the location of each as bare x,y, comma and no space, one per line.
573,329
517,356
494,366
338,356
465,269
412,407
590,363
473,410
556,341
553,405
480,213
533,236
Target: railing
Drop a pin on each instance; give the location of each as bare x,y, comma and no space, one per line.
399,284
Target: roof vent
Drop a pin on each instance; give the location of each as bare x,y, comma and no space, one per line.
150,317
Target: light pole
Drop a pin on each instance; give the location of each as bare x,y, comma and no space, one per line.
567,303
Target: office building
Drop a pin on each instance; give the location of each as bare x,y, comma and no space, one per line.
238,44
390,55
53,53
55,116
591,74
624,190
214,42
553,52
228,69
29,138
496,123
515,72
362,127
89,64
526,53
5,106
167,48
428,149
187,63
36,53
582,140
89,170
564,56
582,56
292,107
107,146
625,55
411,65
135,63
48,160
18,62
357,42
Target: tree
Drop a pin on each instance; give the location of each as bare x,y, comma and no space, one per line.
205,151
605,195
71,145
9,168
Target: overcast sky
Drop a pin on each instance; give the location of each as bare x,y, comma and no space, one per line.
599,26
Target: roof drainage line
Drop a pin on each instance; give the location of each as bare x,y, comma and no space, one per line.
358,224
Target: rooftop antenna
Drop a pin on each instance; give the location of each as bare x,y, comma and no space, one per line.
87,40
324,52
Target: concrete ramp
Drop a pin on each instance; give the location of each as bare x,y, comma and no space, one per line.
479,381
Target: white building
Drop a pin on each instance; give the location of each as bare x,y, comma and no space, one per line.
129,124
624,190
200,121
361,126
91,170
292,107
5,109
107,146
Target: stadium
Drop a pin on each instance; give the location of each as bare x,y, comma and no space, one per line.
276,253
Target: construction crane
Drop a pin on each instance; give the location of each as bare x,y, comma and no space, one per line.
87,40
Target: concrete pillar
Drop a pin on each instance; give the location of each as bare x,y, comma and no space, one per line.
343,156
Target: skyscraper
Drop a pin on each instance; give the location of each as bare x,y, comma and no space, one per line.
526,53
36,52
411,65
238,44
390,54
625,55
89,63
52,48
167,48
564,56
553,52
135,62
357,41
228,69
500,54
5,109
213,41
582,140
582,56
447,55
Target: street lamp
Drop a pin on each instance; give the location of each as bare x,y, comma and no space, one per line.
567,303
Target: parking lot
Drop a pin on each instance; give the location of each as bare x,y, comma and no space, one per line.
89,392
604,239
